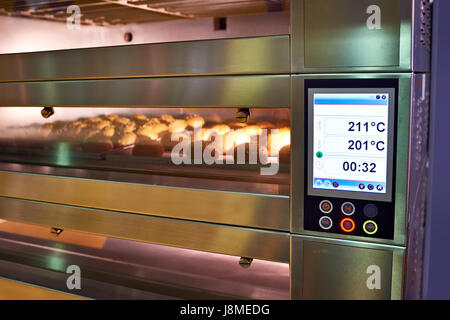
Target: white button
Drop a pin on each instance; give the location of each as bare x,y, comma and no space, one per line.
326,206
325,223
348,208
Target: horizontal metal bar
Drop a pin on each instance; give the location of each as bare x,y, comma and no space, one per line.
259,55
215,91
242,209
236,241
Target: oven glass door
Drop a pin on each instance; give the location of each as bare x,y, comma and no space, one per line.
203,148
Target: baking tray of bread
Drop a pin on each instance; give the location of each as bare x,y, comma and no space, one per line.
144,142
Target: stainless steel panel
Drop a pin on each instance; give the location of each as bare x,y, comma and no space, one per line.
236,241
418,182
243,209
402,162
332,36
334,269
260,55
421,50
329,42
214,91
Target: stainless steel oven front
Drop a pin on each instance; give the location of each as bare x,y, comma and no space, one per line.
307,149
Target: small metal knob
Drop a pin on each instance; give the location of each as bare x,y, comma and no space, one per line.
245,262
47,112
243,114
56,230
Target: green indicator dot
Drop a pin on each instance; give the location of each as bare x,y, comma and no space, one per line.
319,154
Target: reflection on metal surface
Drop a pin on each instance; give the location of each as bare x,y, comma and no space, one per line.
341,269
314,25
15,290
242,242
333,38
252,210
226,91
68,236
259,55
141,270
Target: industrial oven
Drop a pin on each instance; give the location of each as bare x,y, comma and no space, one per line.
300,153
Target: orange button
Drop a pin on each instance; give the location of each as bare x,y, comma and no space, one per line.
347,225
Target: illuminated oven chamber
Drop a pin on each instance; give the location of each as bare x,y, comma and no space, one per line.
185,147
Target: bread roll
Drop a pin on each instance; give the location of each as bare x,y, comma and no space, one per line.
210,135
278,140
111,117
126,139
166,118
97,144
166,138
195,121
124,125
147,147
154,131
140,119
177,125
285,154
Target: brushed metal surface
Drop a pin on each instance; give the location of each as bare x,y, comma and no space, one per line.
242,209
331,36
259,55
338,269
211,91
236,241
15,290
418,182
422,33
402,156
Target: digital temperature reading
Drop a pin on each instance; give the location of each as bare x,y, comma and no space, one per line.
350,141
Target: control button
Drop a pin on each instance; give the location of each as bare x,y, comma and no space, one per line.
348,208
347,225
326,206
325,223
370,227
370,210
362,186
370,187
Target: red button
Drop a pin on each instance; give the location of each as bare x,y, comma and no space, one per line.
347,225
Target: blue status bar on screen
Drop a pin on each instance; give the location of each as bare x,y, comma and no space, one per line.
351,99
349,185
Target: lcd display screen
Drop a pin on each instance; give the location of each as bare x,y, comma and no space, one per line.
351,144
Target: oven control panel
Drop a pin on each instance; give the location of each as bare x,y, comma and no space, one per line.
350,139
350,216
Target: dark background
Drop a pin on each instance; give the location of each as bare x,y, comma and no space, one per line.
437,248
